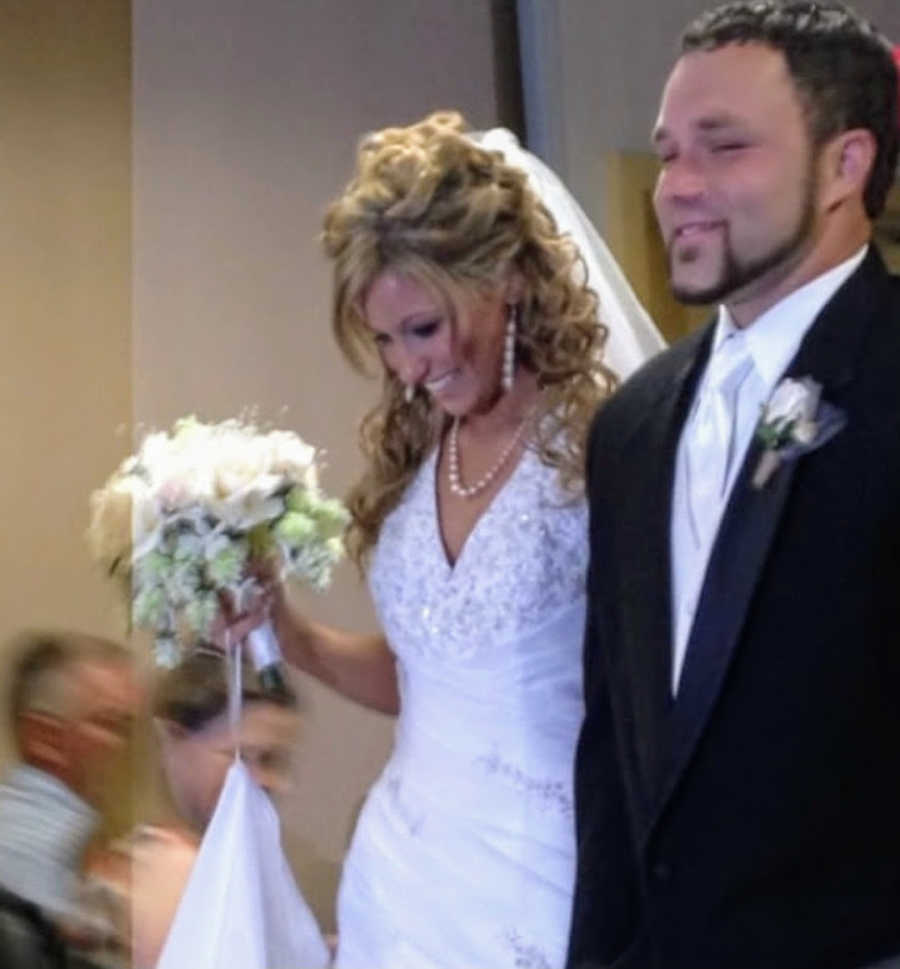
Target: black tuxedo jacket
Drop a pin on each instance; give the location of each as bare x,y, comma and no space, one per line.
754,821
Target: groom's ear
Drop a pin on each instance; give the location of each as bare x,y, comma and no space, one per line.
848,160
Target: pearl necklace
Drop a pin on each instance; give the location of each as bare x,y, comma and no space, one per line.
456,485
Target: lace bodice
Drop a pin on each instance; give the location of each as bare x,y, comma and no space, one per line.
522,564
471,823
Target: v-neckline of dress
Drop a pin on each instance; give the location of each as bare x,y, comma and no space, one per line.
451,566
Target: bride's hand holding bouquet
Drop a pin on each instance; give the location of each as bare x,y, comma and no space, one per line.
203,523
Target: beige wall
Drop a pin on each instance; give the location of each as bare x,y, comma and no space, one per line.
65,298
245,119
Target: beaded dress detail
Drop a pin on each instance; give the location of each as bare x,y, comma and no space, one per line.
464,853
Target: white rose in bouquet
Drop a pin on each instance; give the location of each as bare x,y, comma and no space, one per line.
185,517
294,458
124,514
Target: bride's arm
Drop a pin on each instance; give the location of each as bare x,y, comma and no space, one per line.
361,667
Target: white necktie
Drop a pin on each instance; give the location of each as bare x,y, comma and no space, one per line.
710,440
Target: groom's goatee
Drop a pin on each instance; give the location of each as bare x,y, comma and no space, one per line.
736,275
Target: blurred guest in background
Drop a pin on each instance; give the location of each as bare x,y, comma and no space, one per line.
72,704
197,746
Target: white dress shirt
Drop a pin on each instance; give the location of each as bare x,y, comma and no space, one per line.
773,341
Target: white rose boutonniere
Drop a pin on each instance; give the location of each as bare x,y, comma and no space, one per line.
794,421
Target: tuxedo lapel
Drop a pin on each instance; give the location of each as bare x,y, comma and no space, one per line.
644,516
744,538
828,354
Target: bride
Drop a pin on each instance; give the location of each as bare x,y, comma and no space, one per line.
451,267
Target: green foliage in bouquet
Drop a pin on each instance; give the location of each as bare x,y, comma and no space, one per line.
187,517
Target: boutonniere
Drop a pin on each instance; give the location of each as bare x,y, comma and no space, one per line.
795,421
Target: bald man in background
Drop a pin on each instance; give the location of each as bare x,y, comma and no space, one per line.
72,703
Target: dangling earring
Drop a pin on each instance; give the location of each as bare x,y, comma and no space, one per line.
509,350
409,391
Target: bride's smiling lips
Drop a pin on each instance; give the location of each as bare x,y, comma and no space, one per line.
435,385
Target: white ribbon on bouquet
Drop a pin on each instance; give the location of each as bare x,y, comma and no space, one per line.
241,908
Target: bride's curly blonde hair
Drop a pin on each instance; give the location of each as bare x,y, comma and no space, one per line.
429,203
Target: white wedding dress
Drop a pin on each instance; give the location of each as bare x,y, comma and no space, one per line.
463,857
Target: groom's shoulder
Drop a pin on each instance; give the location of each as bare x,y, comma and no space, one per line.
892,291
894,288
878,299
875,287
656,374
640,393
879,369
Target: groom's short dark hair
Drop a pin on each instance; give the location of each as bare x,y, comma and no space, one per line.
842,66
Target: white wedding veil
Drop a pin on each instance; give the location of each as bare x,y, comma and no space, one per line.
633,337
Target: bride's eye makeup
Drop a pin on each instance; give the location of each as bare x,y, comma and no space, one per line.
426,329
423,330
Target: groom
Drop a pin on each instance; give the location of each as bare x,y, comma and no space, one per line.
738,773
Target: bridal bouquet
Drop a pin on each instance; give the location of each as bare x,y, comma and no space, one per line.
186,518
